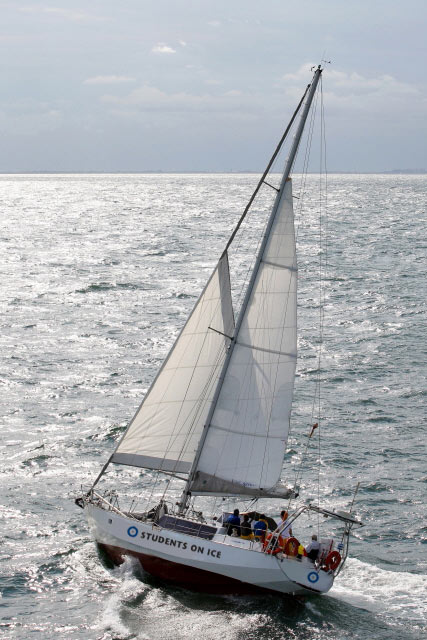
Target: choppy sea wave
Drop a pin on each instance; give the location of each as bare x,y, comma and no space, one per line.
98,274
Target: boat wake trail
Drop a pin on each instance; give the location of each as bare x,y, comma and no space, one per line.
147,611
116,618
398,595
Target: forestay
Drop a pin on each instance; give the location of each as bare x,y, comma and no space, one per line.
244,447
165,432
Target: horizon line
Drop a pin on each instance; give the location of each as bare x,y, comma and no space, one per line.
417,171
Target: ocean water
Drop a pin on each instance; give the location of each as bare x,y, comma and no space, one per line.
98,274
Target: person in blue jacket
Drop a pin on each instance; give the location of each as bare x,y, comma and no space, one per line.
233,522
260,528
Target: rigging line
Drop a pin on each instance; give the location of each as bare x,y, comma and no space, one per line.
250,265
154,486
266,389
301,203
326,235
305,164
289,163
204,397
245,278
323,205
198,408
317,394
232,433
287,216
204,392
193,422
299,469
249,373
283,331
320,324
305,161
307,155
304,175
221,333
264,175
272,186
151,387
245,270
248,376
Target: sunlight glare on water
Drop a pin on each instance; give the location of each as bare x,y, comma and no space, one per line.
98,274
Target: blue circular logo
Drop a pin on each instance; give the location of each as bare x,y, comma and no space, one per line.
132,532
313,577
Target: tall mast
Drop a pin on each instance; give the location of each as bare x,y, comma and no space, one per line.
287,170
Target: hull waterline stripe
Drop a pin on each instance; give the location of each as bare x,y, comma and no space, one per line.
309,588
191,577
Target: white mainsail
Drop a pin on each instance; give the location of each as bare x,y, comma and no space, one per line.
165,432
243,450
219,408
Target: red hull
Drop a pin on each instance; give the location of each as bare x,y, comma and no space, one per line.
188,577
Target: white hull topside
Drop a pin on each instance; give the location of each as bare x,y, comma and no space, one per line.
173,555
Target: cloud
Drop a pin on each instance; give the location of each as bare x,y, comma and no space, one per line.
29,117
161,47
353,89
66,14
148,98
109,80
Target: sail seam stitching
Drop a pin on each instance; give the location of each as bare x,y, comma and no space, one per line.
244,433
279,266
279,353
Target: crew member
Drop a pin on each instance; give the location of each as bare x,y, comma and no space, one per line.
233,522
246,529
285,528
312,550
260,528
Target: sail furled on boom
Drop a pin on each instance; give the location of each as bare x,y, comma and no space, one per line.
247,434
166,429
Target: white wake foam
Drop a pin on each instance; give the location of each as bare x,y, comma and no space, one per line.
164,615
399,594
127,587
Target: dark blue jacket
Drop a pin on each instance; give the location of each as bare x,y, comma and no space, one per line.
232,522
260,528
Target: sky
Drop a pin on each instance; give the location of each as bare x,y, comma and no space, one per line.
208,85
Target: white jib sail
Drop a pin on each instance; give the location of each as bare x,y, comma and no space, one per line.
247,435
166,429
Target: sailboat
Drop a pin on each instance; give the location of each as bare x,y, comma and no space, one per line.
216,418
